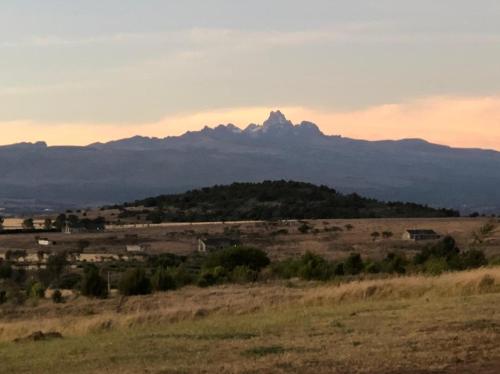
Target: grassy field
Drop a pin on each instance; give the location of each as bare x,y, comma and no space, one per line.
414,324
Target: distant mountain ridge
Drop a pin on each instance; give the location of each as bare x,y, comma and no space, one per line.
128,169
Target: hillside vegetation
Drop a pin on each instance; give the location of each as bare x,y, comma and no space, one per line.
275,200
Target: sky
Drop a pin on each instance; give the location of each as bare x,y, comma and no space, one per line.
76,72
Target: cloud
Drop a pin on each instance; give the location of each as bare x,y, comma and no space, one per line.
456,121
359,32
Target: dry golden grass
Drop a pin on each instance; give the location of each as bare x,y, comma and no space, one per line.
449,323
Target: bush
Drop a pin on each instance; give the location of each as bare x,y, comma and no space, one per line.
446,248
434,257
314,267
243,274
338,269
93,285
37,290
5,270
57,297
135,282
436,265
206,279
387,234
212,276
69,281
304,228
230,258
181,276
162,280
353,265
286,269
56,265
372,267
394,263
473,259
3,297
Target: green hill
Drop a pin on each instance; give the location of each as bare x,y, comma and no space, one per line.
273,200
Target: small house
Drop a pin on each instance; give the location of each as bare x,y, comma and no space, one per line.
138,247
420,234
45,242
215,244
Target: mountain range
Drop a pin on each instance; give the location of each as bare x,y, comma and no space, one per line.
128,169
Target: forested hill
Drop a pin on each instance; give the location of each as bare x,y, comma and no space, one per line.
276,200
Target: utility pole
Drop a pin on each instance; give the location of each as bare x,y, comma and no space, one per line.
109,282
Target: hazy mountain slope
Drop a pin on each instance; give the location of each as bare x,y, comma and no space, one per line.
411,170
274,200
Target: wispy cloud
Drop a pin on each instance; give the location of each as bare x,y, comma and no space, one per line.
359,32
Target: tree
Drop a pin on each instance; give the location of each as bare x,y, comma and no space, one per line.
314,267
82,244
375,235
60,221
135,282
5,270
57,297
37,290
232,257
1,223
28,224
56,265
93,285
353,265
387,234
162,280
47,224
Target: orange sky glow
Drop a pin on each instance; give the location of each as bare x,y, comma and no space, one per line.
455,121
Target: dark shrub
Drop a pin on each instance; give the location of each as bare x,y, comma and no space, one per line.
353,265
134,282
286,269
387,234
394,263
37,290
69,281
372,267
473,258
212,276
162,280
304,228
243,274
5,270
57,297
206,279
56,265
314,267
436,265
182,276
338,269
445,248
93,285
230,258
445,255
165,260
3,297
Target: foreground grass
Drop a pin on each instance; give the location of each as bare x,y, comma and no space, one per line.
451,323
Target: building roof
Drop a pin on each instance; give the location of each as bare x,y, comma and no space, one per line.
421,232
